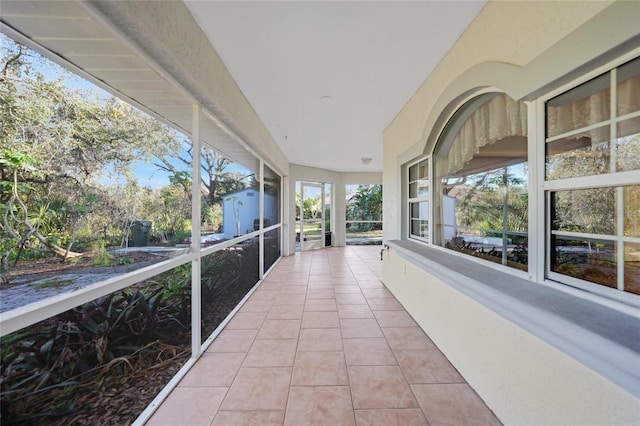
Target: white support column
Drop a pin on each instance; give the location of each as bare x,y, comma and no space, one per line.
339,211
261,216
285,233
196,294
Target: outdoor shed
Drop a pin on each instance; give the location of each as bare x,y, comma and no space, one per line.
242,209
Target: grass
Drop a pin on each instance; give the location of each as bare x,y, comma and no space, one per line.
311,231
365,234
52,283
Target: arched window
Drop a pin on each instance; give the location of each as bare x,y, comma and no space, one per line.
481,181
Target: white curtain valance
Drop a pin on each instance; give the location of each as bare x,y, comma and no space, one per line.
497,119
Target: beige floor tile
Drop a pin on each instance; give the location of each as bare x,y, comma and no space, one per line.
246,321
271,353
293,289
453,404
267,295
407,338
233,341
258,389
350,299
311,338
320,285
376,293
296,280
320,294
320,339
319,405
189,406
299,273
346,289
354,311
214,369
270,285
249,418
343,280
427,366
277,274
370,282
320,305
256,306
394,319
289,299
391,417
368,352
355,327
279,329
380,387
342,273
387,304
320,277
320,369
285,312
320,320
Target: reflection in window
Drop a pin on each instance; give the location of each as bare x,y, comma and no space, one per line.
595,231
590,211
580,124
584,235
585,258
482,179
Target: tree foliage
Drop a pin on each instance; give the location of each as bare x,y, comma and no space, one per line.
70,162
365,205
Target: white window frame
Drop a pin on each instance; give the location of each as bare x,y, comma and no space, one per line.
613,179
428,199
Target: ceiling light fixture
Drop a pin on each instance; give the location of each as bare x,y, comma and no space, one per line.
326,98
366,160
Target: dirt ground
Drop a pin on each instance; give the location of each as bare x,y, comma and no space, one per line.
27,271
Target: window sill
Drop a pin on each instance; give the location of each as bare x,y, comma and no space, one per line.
600,337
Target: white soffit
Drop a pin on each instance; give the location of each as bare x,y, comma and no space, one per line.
327,77
66,33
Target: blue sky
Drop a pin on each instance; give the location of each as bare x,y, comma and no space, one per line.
147,173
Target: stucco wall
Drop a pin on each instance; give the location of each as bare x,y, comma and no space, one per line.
524,380
517,47
524,49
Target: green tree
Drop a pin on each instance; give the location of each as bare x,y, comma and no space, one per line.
365,205
79,141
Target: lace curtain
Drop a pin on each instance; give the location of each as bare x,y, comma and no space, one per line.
593,108
498,119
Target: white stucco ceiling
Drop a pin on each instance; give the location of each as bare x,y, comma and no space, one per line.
327,77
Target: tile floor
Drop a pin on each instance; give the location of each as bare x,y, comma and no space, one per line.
323,342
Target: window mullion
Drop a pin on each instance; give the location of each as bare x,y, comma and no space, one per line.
430,199
536,215
619,235
613,127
